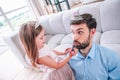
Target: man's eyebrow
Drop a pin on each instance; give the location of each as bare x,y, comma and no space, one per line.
79,29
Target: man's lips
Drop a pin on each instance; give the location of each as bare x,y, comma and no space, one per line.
75,43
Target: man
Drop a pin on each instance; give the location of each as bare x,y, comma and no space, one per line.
92,62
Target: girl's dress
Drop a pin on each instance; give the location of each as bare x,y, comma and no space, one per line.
64,73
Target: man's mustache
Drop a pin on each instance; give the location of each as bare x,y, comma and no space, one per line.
75,41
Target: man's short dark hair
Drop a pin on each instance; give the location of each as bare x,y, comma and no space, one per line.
84,18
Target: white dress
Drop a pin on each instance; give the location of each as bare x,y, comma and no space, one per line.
64,73
45,51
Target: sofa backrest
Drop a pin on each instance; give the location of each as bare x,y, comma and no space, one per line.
58,23
14,44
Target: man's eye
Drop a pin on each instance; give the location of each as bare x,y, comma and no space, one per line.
80,32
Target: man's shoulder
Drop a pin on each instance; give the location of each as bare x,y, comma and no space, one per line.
105,51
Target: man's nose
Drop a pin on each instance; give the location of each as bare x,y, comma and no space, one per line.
75,36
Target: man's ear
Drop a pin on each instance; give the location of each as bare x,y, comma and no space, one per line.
93,31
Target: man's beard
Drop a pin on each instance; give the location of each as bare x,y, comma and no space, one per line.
83,45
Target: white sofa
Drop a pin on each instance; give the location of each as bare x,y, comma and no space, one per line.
57,28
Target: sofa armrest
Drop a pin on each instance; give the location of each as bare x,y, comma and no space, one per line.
14,44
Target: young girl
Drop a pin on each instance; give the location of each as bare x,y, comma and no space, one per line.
40,56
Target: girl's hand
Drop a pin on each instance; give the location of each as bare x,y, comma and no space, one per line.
73,52
67,50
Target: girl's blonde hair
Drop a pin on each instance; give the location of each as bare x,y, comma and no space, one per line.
28,32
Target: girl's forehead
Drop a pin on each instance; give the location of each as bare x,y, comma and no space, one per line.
42,32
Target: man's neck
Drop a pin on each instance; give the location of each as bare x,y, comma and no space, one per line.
85,51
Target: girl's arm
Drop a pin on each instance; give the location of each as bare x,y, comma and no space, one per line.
48,61
59,53
62,53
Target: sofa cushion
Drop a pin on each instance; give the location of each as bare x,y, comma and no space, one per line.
68,39
48,37
44,21
110,15
112,36
55,40
56,23
53,23
111,40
